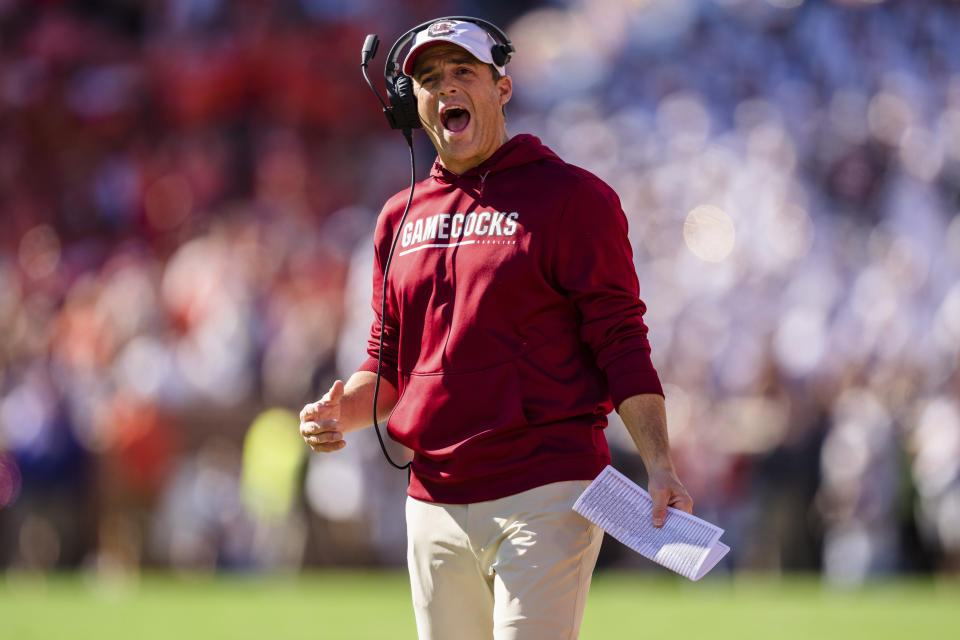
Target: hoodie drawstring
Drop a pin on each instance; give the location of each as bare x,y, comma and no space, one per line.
483,180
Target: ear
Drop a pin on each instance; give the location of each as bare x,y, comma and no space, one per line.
505,89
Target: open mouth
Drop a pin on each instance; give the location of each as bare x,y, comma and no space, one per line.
455,119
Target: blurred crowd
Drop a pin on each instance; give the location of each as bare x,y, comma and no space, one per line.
187,193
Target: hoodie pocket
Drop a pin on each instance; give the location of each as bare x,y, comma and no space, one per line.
559,382
438,414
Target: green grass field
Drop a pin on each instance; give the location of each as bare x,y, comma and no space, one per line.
337,604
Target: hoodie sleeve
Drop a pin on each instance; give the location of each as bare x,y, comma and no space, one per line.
390,327
593,265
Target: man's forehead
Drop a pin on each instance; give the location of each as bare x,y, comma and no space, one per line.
440,53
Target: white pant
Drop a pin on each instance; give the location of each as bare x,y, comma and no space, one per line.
517,568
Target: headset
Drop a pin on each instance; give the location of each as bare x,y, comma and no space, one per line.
402,114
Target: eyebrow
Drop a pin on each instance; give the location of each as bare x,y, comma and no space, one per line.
430,66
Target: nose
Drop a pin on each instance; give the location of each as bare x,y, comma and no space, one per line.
447,84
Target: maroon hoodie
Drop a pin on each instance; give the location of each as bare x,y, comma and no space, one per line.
512,324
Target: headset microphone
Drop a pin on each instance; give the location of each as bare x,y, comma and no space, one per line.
370,46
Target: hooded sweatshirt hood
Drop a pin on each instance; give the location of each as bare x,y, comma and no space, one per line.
518,150
512,324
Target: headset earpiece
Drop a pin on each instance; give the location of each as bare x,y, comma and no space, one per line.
501,54
404,104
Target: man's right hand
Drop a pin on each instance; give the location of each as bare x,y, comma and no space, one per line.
318,421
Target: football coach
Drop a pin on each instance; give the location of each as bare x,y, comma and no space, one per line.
512,327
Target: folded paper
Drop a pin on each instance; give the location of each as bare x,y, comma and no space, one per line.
684,544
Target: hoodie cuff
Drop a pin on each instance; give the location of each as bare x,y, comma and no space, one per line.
386,372
632,375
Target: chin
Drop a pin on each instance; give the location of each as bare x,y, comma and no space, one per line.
459,149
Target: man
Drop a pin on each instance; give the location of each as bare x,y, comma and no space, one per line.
512,327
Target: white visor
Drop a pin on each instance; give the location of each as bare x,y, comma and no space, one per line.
467,35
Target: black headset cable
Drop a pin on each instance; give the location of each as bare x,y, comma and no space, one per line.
383,304
370,46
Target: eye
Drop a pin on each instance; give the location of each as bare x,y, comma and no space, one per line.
462,71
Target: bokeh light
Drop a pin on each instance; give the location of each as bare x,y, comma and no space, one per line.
273,452
40,251
709,233
801,340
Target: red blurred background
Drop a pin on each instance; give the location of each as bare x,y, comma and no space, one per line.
188,187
